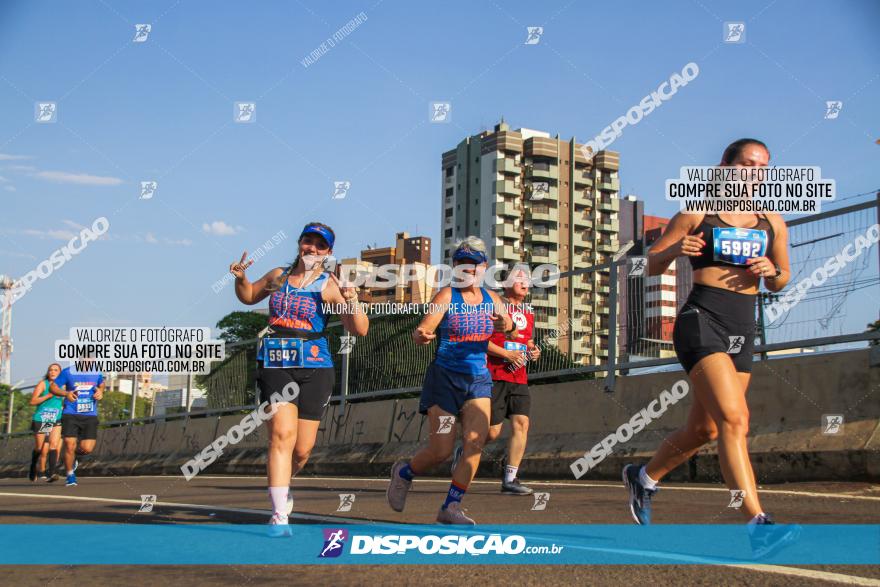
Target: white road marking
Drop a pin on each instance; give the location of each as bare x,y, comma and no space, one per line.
267,513
540,484
775,569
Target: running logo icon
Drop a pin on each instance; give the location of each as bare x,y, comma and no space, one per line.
734,32
540,189
334,540
141,32
832,109
346,500
736,344
637,269
346,343
446,424
533,35
340,189
245,112
737,496
541,500
45,112
832,423
441,112
147,503
148,189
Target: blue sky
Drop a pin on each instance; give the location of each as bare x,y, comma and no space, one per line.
162,110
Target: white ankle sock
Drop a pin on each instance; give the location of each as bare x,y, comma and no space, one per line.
279,499
646,481
510,473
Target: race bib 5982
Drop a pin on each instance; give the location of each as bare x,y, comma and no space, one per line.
737,245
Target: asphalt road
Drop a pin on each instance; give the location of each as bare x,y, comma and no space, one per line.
215,499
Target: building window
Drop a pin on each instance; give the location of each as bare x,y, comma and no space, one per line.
448,232
449,192
449,171
448,215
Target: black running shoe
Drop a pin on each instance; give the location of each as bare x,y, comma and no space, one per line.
767,538
515,488
639,496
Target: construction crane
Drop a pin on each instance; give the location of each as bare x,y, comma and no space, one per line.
6,285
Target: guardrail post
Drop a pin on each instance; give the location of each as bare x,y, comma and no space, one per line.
9,414
348,341
134,394
612,328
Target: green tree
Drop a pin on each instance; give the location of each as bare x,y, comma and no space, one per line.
241,326
874,327
22,411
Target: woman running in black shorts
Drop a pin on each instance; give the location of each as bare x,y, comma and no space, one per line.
46,426
295,351
714,335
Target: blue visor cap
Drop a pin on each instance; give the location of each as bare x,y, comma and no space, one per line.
320,231
467,254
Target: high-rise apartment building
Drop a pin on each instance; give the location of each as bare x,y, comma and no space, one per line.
534,198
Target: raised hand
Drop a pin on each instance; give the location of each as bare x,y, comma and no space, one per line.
238,269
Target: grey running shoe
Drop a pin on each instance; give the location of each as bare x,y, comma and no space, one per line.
397,488
456,456
639,496
515,488
453,515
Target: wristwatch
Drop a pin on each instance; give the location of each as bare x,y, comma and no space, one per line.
777,274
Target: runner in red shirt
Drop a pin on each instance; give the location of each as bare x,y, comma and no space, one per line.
510,391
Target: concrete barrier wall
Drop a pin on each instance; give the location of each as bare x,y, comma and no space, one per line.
787,399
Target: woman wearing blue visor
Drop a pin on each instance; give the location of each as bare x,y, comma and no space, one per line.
714,335
294,350
458,385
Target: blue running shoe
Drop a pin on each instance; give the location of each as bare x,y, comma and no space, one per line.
768,538
639,496
71,480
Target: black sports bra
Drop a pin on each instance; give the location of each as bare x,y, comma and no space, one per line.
710,221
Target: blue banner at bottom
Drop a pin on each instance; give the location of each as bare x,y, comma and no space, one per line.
222,544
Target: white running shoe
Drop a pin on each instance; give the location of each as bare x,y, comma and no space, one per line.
454,515
289,503
397,488
278,526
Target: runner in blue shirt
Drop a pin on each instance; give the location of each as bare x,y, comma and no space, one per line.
79,416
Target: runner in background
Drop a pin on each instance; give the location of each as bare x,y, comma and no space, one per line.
46,426
79,416
510,389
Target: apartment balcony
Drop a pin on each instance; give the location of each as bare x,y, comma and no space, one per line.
583,221
607,246
449,180
605,310
543,322
506,208
610,184
582,346
545,302
582,179
545,214
607,204
583,198
506,165
507,253
538,173
551,236
608,225
507,230
548,257
507,186
536,195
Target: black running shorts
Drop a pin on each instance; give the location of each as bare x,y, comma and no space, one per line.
715,320
315,388
509,399
82,427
